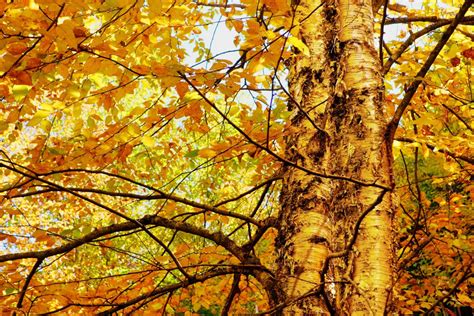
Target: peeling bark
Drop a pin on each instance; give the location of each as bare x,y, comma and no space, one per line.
343,136
373,262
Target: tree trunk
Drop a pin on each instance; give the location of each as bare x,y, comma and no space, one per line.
337,128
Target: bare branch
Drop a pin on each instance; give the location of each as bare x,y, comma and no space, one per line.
382,26
459,117
414,253
467,34
161,196
250,191
161,290
105,207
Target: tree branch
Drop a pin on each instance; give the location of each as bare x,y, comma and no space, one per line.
414,253
459,117
382,31
170,288
160,291
433,147
218,238
465,20
233,292
437,24
105,207
357,225
392,127
27,282
159,196
255,188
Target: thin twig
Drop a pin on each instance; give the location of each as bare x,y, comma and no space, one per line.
382,31
27,282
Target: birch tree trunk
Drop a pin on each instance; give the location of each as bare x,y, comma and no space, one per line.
335,240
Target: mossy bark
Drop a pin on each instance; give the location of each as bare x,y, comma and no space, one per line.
337,128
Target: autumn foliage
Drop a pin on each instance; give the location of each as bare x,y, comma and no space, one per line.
141,152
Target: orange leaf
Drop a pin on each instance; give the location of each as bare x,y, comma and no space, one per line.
238,25
141,69
182,88
107,101
17,48
4,91
159,70
79,32
127,150
21,77
33,62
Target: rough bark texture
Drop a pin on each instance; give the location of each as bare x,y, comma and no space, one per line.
343,136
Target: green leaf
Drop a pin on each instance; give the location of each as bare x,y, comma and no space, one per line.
192,153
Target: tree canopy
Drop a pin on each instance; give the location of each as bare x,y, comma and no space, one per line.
142,148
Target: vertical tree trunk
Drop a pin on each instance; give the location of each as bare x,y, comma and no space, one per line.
343,136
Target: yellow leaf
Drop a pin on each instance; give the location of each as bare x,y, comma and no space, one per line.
196,303
155,7
270,34
38,117
74,91
86,85
148,141
463,298
133,129
297,43
65,31
191,95
453,51
206,153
